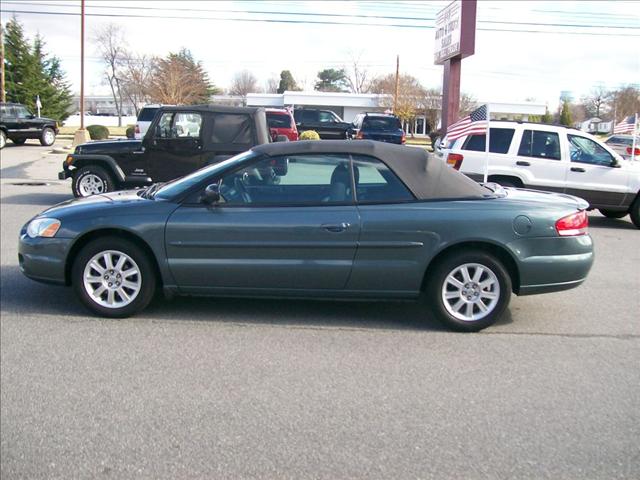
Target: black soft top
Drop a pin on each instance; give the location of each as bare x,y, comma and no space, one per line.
426,176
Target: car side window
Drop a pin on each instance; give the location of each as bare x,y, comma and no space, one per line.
499,141
22,112
4,111
326,117
309,116
540,144
376,183
312,179
585,150
232,128
187,125
163,129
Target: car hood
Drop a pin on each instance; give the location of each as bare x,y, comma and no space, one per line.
108,146
126,202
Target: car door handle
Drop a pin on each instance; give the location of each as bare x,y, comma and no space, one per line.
336,227
578,169
523,164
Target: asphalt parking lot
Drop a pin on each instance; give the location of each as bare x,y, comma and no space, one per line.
229,388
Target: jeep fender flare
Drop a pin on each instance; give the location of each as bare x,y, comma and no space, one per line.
104,161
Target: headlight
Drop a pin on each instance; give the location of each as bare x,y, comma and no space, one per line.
43,227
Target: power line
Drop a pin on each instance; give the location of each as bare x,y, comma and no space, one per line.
327,15
307,22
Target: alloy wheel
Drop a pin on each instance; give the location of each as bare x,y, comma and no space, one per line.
112,279
470,292
91,184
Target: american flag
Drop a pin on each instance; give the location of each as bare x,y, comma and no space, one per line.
627,125
475,122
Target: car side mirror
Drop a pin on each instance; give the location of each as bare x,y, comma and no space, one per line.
615,163
211,194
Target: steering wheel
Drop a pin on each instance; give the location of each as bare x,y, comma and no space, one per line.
576,154
241,189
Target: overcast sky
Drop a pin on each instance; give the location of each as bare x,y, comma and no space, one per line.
545,47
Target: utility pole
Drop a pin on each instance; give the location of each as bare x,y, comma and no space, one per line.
3,94
395,96
80,135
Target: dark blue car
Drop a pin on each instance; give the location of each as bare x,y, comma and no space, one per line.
379,126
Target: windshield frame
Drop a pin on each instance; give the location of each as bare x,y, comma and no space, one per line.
179,188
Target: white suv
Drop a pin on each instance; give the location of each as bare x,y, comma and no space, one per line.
552,158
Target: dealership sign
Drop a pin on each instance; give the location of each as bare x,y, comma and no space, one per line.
455,33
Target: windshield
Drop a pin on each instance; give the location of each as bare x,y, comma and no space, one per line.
381,123
182,184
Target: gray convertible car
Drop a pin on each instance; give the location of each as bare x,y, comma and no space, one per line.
327,219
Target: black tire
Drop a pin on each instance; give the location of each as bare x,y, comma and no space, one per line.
438,279
612,213
92,175
47,137
507,182
19,141
3,139
147,277
634,212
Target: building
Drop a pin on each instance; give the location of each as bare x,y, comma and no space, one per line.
102,105
595,125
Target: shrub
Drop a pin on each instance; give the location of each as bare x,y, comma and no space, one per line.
98,132
131,131
309,135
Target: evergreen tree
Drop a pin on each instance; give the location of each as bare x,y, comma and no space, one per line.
547,117
332,80
287,82
29,73
565,114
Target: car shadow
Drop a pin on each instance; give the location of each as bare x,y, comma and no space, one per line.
37,198
617,223
24,297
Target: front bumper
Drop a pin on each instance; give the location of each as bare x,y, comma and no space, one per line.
43,259
552,264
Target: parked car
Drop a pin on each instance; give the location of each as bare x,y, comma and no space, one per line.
145,117
18,124
378,126
179,141
281,122
325,122
622,145
320,219
552,158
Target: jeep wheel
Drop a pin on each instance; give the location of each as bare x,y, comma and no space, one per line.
612,213
634,212
91,180
3,139
19,141
47,137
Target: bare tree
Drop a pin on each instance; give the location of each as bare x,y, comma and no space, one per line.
243,82
136,77
410,98
109,40
357,76
271,85
468,104
596,102
624,102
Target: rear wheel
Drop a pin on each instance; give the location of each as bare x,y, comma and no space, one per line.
19,141
469,291
47,137
92,180
612,213
634,212
113,277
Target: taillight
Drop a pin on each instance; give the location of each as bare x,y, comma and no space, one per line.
404,138
455,160
359,135
637,151
574,224
137,130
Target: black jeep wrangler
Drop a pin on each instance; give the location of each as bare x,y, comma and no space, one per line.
179,141
18,124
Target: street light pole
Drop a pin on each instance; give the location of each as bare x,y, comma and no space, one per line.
3,95
81,134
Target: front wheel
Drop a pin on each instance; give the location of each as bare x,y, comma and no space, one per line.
91,180
469,291
113,277
47,137
612,213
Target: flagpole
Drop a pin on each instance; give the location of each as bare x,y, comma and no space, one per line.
635,135
486,147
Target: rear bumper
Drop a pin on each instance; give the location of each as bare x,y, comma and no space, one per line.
552,264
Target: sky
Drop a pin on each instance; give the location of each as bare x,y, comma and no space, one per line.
525,50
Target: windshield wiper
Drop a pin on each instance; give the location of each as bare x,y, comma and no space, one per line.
150,191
